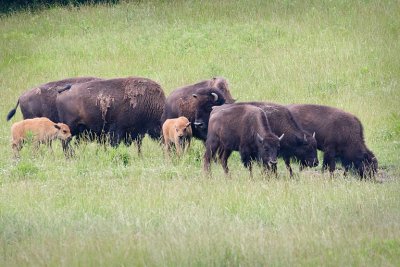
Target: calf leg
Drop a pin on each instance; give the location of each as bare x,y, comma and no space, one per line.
16,147
178,148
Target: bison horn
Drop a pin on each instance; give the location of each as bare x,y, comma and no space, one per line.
194,95
215,97
313,135
280,138
259,138
305,138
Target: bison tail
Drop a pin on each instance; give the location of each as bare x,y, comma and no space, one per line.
12,112
68,86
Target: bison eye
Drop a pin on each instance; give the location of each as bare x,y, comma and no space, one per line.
64,131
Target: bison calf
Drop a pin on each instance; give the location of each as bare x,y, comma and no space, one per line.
242,128
177,131
42,129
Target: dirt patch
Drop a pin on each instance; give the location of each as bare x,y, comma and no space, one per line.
104,102
134,89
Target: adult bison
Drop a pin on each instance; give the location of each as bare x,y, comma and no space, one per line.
124,108
339,135
298,144
197,98
41,100
243,128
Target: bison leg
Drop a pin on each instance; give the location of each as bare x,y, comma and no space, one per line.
329,161
211,149
247,163
224,155
68,151
287,163
138,141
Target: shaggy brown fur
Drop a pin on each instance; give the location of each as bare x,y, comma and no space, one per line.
242,128
181,102
124,108
41,100
339,135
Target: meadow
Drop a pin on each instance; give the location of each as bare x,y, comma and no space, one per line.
110,207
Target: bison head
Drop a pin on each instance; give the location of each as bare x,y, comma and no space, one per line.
306,150
205,99
268,147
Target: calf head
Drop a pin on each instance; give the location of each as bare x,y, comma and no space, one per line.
63,131
205,99
268,147
183,130
306,150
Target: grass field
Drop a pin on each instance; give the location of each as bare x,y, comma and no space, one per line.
111,207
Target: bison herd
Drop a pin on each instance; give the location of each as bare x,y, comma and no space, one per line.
126,109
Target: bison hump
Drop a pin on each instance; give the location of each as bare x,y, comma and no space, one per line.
135,88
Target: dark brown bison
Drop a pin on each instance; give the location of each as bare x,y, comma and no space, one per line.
339,135
298,143
41,100
242,128
197,98
124,108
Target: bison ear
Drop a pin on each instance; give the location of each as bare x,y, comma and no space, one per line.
194,95
57,127
305,138
259,138
313,135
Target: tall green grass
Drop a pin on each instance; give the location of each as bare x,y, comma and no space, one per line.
109,206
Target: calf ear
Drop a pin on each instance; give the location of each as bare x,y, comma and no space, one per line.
57,127
188,124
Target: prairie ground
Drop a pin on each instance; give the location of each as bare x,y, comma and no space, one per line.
108,206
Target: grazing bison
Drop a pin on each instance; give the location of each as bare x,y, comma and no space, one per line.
200,97
177,131
242,128
339,135
42,129
124,108
41,100
298,143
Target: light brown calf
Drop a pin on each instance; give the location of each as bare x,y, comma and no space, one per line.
42,130
177,131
